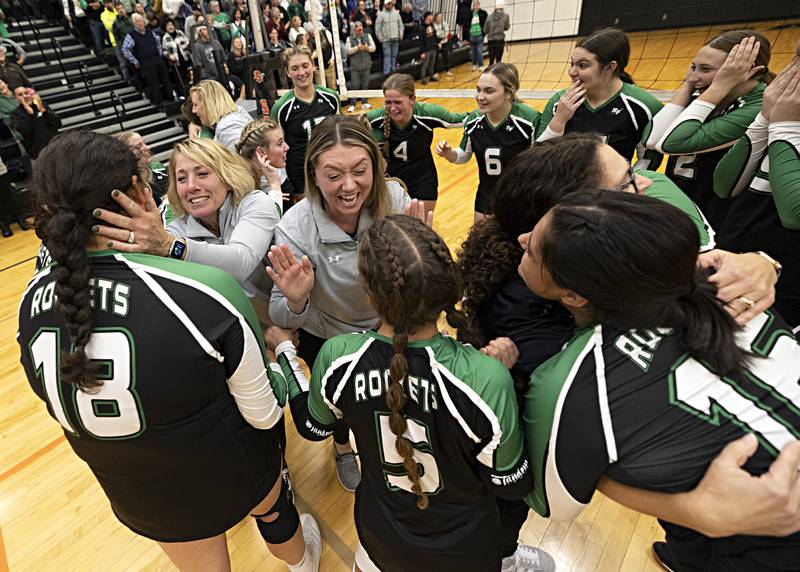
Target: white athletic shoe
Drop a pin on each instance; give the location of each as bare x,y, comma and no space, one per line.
366,105
528,559
449,74
313,539
351,109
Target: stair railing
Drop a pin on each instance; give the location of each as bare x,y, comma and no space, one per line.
117,101
83,69
59,52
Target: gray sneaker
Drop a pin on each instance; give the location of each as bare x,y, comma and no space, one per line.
529,559
347,470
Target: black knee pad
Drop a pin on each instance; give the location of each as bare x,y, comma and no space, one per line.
282,528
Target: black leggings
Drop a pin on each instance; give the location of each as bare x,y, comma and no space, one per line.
496,50
309,349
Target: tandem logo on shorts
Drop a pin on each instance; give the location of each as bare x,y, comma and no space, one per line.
516,476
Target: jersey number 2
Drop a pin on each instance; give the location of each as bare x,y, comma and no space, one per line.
396,477
114,411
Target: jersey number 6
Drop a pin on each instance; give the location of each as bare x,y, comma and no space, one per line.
396,477
113,412
492,159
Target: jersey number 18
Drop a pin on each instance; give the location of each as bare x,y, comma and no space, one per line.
114,411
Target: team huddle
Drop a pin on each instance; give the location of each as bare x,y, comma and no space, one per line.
617,329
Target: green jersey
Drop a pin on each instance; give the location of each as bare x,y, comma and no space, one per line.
697,139
665,190
462,419
622,122
495,146
409,146
762,174
633,405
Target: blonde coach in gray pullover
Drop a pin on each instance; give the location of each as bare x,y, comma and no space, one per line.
314,268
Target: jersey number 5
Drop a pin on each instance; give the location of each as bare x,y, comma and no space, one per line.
113,412
396,476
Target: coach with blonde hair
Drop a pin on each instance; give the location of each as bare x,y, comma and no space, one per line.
215,108
213,216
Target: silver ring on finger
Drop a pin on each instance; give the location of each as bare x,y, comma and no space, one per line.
132,238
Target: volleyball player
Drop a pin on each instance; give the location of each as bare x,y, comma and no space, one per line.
155,368
730,74
603,99
301,109
435,420
406,129
496,132
658,378
762,174
263,144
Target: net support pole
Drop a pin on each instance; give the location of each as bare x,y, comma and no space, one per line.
255,25
316,20
337,60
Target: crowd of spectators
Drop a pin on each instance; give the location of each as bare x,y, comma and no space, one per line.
162,45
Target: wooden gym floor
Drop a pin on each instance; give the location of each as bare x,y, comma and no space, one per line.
54,516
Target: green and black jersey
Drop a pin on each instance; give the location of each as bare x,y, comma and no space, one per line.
298,118
182,358
697,138
634,406
665,190
762,174
495,146
160,180
462,418
622,122
410,157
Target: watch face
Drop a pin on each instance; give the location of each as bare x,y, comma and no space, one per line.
178,248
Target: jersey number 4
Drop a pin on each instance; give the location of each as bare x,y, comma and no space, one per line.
401,151
114,411
396,476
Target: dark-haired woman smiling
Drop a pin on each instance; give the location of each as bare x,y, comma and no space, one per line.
603,99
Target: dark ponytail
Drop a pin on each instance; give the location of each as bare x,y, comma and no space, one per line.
634,259
74,175
609,45
411,279
709,332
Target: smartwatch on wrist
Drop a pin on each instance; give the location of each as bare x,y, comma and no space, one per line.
178,249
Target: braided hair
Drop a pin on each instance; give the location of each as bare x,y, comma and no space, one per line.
74,175
410,277
257,133
404,83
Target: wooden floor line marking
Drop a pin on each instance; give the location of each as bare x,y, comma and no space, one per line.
17,264
28,460
338,545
